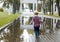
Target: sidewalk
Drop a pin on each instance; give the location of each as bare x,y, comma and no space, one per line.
54,37
47,37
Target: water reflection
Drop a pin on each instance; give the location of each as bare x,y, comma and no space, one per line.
25,36
3,35
2,41
26,20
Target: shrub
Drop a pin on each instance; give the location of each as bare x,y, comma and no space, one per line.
1,9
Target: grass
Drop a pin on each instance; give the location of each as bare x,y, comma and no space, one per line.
5,18
54,15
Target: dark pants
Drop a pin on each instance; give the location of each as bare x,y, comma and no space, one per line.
36,30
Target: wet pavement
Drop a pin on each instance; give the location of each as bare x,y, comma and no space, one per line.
47,37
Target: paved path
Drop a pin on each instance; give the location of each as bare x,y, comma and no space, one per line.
26,26
54,37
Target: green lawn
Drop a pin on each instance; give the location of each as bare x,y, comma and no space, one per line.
54,15
5,18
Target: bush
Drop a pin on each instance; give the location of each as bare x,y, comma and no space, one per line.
1,9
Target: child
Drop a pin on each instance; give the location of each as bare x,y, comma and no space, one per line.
36,20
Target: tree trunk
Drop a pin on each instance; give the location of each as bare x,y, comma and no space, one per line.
50,7
57,3
16,6
59,11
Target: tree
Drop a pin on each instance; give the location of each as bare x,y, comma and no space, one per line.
48,3
58,6
16,5
44,6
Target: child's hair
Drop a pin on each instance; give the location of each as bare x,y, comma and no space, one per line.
35,12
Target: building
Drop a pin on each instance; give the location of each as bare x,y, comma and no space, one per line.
31,4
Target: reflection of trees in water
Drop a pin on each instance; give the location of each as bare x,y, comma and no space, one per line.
14,34
48,23
58,24
15,31
22,20
30,19
30,6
